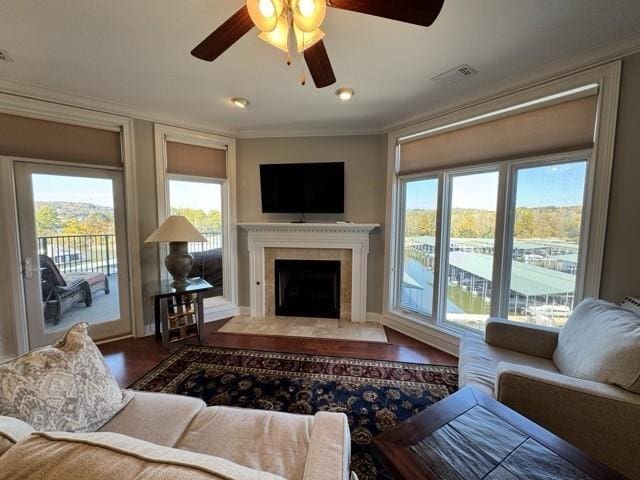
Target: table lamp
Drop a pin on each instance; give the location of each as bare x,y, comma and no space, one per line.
178,231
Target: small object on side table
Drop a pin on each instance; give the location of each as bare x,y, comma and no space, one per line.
470,435
179,311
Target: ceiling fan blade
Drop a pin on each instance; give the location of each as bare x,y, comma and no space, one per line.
224,36
418,12
319,65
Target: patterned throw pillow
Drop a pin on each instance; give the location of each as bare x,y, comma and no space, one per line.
65,387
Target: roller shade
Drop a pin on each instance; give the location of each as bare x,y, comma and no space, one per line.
183,159
555,128
42,139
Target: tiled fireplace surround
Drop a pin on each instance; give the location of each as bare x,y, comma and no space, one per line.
342,254
346,242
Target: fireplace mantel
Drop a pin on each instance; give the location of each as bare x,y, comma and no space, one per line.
351,236
310,227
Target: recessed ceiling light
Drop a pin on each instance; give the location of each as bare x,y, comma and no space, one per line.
240,102
345,94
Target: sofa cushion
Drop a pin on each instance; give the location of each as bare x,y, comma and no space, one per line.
155,417
12,431
63,456
64,387
269,441
479,361
601,342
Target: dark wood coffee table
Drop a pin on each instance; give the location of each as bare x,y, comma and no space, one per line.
469,435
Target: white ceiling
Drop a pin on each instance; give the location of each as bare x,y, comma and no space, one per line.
135,53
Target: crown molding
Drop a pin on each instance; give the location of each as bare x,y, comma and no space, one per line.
550,71
554,70
311,132
95,104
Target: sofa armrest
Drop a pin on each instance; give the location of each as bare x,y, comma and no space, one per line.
520,337
601,419
329,448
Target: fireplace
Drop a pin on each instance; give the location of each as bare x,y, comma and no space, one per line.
307,288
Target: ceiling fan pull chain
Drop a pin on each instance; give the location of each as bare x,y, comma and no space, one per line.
288,58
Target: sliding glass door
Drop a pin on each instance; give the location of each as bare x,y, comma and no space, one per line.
73,247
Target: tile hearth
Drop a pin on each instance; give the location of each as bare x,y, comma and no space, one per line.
305,327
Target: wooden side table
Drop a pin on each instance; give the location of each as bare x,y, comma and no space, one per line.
179,313
469,435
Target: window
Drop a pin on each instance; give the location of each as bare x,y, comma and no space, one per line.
419,240
511,242
472,225
549,205
200,200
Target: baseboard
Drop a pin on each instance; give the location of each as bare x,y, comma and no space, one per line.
435,338
221,312
244,310
375,317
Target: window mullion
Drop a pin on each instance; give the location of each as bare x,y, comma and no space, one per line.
442,248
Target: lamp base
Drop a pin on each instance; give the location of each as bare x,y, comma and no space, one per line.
179,263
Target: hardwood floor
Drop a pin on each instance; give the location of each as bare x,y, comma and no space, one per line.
129,359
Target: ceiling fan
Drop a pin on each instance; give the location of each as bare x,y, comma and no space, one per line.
276,19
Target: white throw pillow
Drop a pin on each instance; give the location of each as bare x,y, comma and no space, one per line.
65,387
601,342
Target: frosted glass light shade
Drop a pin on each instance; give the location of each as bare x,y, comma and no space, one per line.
305,40
265,13
308,15
279,37
176,229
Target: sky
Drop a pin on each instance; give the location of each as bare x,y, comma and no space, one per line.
58,188
99,191
551,185
207,196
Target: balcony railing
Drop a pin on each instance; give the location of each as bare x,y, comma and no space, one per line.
97,253
81,253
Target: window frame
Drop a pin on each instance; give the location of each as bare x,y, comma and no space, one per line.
226,306
399,266
223,214
513,167
503,239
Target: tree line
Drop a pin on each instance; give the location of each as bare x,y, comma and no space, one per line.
77,218
538,222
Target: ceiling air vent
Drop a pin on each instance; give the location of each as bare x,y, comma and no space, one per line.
4,57
455,75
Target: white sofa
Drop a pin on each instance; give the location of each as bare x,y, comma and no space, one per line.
289,446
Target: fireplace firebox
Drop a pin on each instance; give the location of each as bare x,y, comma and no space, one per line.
307,288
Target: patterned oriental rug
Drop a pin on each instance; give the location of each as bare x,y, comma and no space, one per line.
375,395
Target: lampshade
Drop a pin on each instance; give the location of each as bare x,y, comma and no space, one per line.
265,13
279,37
305,40
308,15
176,229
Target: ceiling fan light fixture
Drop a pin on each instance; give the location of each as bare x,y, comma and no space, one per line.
308,15
345,94
278,37
306,40
240,102
265,13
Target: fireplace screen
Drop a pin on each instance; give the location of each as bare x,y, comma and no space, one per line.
307,288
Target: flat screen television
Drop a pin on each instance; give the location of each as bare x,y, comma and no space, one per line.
302,187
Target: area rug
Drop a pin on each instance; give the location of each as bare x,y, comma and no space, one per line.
305,327
375,395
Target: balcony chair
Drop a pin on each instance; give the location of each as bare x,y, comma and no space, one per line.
58,295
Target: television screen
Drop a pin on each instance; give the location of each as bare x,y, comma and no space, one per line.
302,188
